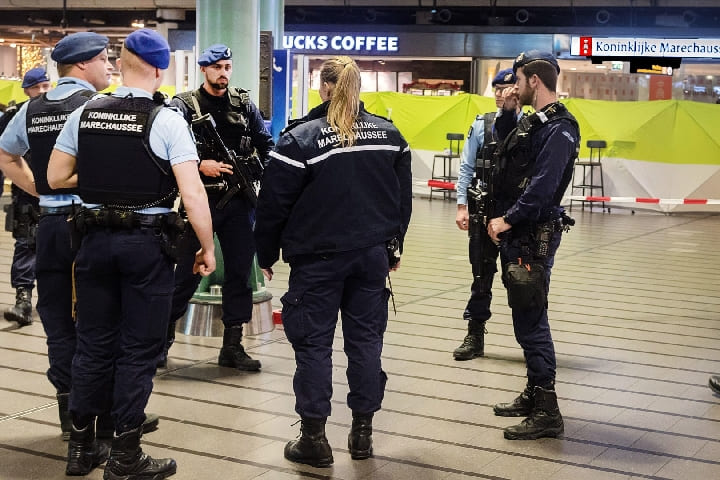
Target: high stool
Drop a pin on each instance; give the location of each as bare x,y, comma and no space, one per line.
446,158
588,184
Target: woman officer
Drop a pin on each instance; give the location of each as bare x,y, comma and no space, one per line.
336,192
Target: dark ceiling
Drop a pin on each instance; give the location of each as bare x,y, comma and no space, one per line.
46,26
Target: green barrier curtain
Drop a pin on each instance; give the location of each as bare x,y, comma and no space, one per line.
666,131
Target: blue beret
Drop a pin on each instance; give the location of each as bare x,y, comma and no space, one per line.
34,76
150,46
533,55
79,47
504,77
214,53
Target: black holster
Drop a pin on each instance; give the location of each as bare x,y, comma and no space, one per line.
525,284
22,220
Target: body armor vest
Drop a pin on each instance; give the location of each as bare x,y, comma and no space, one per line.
45,118
514,159
231,117
115,164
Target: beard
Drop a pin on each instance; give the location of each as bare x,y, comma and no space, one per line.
220,84
527,96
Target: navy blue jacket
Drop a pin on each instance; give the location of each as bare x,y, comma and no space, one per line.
318,197
554,147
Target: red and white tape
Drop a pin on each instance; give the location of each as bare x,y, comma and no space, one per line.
656,201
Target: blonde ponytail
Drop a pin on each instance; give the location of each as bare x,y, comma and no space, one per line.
345,101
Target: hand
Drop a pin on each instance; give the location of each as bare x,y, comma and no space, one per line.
511,99
213,168
462,219
267,273
204,262
496,226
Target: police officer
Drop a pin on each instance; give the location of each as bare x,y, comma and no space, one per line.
129,179
241,129
477,311
83,66
23,224
336,191
533,169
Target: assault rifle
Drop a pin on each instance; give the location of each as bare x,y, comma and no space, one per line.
480,206
246,170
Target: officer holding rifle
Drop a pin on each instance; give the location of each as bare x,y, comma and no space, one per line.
233,144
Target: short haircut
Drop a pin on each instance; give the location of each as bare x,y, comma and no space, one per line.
546,72
63,69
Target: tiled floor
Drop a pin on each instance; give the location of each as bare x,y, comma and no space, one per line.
635,313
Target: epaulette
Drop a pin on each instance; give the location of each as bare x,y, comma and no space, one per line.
292,123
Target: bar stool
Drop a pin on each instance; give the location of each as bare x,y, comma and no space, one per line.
587,186
446,158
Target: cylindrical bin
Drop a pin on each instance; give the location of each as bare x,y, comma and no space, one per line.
204,314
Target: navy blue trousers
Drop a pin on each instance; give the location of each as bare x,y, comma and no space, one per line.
22,271
54,262
477,311
532,328
234,228
124,288
353,283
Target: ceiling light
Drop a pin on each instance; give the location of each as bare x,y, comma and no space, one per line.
138,24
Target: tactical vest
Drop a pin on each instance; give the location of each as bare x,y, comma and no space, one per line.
232,123
514,159
45,118
115,164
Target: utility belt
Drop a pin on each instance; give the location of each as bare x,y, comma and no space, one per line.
172,226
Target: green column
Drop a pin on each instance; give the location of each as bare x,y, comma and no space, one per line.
234,23
272,18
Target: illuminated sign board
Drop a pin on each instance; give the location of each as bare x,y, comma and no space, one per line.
645,47
341,43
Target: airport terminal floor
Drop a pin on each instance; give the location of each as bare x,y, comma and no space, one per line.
634,312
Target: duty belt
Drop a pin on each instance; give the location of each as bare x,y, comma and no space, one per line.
64,210
120,219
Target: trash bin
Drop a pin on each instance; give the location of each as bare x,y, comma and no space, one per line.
204,314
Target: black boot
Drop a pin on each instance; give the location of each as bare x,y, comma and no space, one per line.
84,452
312,447
105,427
232,353
522,406
128,462
22,311
474,343
360,437
544,421
64,414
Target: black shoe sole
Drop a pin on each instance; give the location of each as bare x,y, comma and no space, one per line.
13,317
361,454
465,357
158,476
321,463
230,364
511,414
548,433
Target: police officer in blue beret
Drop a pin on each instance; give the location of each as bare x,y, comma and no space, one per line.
241,129
127,155
482,251
533,170
83,66
23,217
